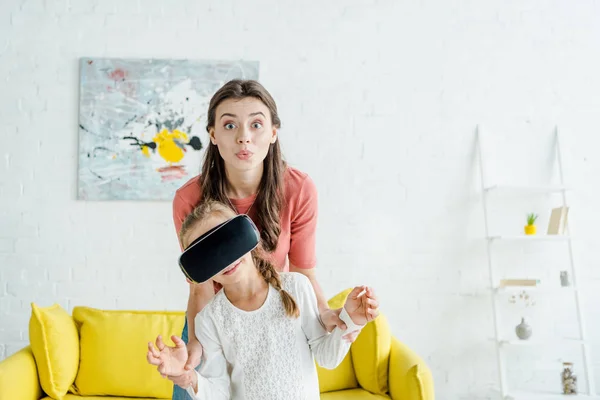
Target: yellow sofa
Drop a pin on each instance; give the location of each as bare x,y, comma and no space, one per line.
98,354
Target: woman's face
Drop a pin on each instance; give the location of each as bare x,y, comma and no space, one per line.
243,132
234,272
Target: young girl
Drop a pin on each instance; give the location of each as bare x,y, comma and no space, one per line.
244,169
262,333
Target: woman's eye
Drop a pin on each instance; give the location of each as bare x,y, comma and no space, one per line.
257,125
229,126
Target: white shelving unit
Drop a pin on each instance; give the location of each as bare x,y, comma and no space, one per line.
501,343
536,289
532,238
549,396
526,189
546,343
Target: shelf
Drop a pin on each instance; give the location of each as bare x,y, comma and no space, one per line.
540,342
530,237
537,289
548,396
526,189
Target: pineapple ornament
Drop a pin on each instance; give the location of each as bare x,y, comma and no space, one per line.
530,228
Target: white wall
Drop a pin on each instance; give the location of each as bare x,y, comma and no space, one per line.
379,101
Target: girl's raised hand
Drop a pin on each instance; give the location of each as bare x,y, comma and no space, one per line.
362,305
170,361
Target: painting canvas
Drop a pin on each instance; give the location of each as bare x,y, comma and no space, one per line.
142,123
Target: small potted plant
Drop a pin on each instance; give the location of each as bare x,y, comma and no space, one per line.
530,228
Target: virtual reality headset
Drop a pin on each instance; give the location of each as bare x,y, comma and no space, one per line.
218,248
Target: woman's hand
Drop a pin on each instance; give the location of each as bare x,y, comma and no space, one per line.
169,360
194,351
331,320
189,378
362,305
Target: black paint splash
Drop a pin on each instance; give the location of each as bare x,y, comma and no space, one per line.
137,142
195,143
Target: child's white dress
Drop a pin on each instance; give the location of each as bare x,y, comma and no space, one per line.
264,354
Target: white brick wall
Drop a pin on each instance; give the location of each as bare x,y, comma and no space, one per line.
379,101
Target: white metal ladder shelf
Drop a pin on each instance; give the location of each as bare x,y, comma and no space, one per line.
501,343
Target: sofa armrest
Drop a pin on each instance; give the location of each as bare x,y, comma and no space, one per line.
19,377
409,378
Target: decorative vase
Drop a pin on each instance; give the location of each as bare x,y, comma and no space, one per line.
530,229
523,330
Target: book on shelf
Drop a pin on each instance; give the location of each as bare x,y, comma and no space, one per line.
558,221
519,282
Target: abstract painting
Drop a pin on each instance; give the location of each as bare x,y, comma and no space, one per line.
142,123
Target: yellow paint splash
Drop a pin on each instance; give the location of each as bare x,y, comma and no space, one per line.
167,146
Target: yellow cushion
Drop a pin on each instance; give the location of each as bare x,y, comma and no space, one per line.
353,394
339,378
339,299
371,355
370,352
55,347
114,344
342,377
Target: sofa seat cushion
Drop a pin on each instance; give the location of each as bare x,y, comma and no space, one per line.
76,397
352,394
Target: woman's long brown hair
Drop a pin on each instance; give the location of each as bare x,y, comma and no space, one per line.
213,179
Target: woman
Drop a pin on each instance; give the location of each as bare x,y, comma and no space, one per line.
243,167
261,333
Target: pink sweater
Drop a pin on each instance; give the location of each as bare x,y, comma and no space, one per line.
296,245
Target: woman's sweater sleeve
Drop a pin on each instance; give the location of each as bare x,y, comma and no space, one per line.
213,378
329,349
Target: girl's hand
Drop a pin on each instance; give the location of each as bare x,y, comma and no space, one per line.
362,305
169,360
